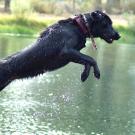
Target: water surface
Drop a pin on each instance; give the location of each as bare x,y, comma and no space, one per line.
58,103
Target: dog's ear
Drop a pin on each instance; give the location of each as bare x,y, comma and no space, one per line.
97,15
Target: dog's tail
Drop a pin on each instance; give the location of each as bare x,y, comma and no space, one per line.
5,74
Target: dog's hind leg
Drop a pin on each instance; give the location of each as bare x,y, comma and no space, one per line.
87,61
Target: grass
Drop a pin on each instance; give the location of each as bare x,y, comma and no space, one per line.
30,26
35,24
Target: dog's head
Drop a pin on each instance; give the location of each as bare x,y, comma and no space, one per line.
101,26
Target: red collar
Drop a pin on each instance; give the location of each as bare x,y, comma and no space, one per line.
82,23
79,20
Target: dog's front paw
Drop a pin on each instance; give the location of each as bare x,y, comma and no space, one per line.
97,74
86,72
84,76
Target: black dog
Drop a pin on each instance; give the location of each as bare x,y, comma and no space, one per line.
58,45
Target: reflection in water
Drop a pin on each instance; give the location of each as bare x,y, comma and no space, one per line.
58,103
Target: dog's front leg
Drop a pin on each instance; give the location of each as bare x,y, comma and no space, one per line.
85,72
87,61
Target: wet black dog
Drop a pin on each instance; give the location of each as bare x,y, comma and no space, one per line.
58,45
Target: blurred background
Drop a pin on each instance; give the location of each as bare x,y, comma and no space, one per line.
58,103
61,7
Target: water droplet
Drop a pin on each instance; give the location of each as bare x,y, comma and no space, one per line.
50,94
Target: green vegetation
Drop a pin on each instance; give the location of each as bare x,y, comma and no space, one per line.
11,24
127,34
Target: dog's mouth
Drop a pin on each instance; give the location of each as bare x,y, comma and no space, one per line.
110,40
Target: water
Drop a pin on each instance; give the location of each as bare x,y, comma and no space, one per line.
58,103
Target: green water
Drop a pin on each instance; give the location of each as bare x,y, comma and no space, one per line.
58,103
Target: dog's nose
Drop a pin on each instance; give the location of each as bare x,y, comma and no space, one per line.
116,36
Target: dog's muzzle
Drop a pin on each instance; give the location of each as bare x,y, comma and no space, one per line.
110,38
116,36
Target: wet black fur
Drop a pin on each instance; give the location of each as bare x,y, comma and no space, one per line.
58,45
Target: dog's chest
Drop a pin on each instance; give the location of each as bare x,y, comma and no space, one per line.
81,44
